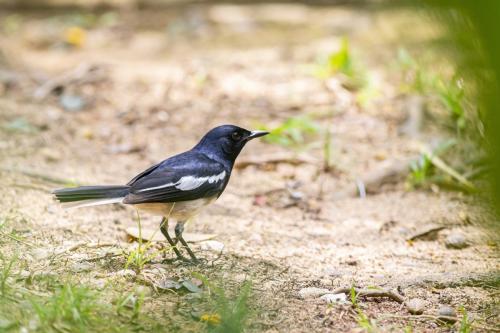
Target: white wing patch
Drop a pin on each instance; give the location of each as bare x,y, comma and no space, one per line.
188,183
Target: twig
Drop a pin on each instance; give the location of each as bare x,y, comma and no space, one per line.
99,245
441,319
426,233
85,73
372,293
106,256
17,239
76,246
70,248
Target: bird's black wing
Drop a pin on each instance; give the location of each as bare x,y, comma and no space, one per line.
144,173
184,177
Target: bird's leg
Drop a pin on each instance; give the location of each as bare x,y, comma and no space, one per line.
173,244
179,228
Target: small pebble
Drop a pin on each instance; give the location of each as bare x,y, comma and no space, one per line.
212,245
312,292
72,103
143,290
296,195
40,254
24,274
416,306
334,298
126,272
100,283
456,241
78,267
351,262
447,311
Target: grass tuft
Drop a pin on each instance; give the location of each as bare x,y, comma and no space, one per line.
228,314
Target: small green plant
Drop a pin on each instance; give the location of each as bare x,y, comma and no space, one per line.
451,94
422,81
230,314
292,132
416,78
423,171
465,323
70,309
5,272
343,62
362,319
142,254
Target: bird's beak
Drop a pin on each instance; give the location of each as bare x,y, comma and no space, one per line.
256,134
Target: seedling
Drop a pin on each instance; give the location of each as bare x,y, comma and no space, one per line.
465,324
141,255
421,170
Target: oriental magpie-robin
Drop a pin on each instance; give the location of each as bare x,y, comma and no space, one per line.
178,187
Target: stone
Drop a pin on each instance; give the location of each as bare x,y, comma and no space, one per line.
456,241
335,298
99,283
212,245
72,103
78,267
416,306
143,290
41,254
448,312
312,292
24,274
126,273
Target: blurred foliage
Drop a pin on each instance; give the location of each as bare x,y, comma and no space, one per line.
450,104
424,173
342,62
353,75
450,92
474,44
292,132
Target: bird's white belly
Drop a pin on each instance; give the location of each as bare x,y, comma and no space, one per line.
180,211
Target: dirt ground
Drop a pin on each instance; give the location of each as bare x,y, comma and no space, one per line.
161,80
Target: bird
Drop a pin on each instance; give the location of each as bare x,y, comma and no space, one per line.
177,188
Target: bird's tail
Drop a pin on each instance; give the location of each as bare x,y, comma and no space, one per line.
91,195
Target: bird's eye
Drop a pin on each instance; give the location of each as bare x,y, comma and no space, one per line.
236,136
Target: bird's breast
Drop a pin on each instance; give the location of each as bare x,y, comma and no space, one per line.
181,211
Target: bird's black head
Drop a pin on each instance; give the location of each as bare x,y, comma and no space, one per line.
224,143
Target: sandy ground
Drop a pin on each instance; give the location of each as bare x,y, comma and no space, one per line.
286,226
